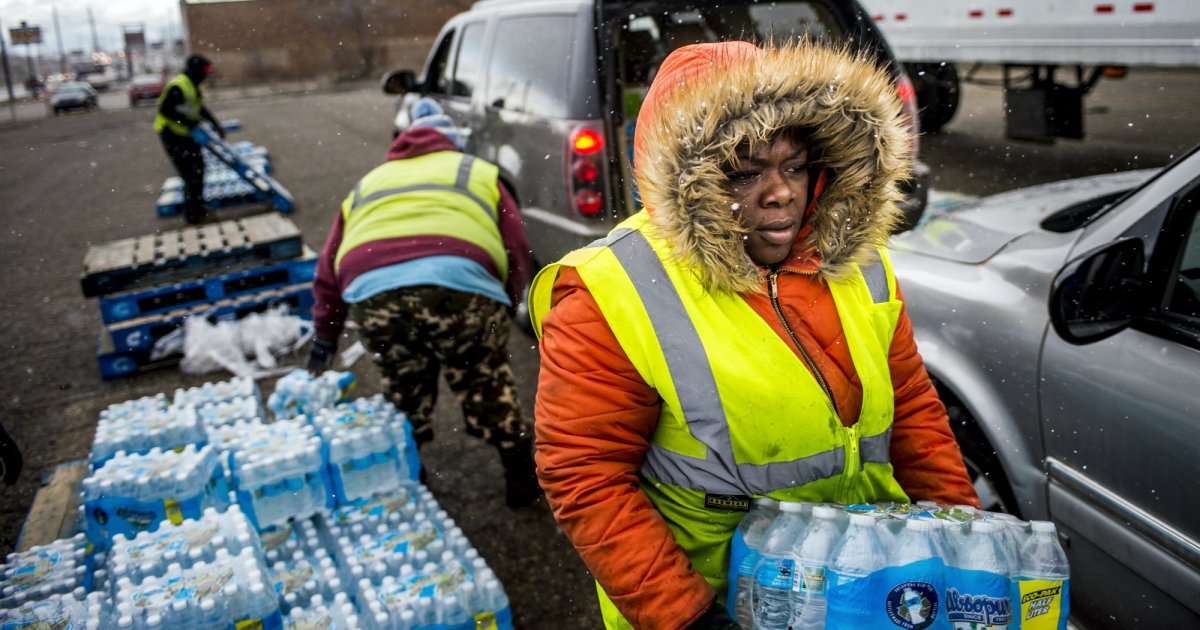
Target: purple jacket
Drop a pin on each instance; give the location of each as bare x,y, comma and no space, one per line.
329,311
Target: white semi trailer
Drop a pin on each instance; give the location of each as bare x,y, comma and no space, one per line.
1037,42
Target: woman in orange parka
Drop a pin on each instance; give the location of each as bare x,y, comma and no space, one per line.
741,336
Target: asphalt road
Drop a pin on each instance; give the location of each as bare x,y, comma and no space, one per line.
88,178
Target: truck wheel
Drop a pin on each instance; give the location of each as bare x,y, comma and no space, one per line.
938,90
983,465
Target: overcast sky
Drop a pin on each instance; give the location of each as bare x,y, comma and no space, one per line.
159,19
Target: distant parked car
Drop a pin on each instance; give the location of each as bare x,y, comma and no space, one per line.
75,95
146,87
1061,325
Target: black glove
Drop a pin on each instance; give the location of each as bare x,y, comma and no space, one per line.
320,356
715,618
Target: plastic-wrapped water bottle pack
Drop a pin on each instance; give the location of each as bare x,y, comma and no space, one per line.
367,450
227,592
135,407
223,391
226,412
141,430
298,393
148,554
300,567
318,614
278,470
860,567
56,611
135,492
451,593
59,568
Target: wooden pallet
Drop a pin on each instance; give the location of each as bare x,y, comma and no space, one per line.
54,511
189,252
154,300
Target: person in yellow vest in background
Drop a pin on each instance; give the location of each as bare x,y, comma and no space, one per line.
428,254
181,107
742,335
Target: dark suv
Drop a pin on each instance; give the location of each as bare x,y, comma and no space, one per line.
549,90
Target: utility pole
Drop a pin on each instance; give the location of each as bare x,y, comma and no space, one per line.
62,57
92,22
12,101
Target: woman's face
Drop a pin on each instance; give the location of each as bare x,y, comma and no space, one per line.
770,186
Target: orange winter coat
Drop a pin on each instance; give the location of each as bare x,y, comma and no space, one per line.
595,414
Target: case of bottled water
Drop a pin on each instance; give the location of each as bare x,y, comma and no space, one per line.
447,593
59,568
136,406
56,611
366,450
861,567
148,554
300,566
298,393
136,492
321,614
278,470
138,431
230,591
226,412
223,391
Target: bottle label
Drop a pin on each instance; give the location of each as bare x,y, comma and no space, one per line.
978,599
906,596
776,573
1044,604
810,578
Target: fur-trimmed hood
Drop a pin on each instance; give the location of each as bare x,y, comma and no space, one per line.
707,99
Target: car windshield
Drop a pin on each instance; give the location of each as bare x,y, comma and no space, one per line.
143,81
72,91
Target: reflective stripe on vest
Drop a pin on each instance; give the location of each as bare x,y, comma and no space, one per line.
686,374
189,109
443,193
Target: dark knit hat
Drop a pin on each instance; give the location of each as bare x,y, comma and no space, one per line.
198,65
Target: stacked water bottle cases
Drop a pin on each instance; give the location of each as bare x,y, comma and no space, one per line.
198,512
802,566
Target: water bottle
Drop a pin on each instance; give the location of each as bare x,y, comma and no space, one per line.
744,556
812,552
771,596
978,581
1043,585
916,576
854,564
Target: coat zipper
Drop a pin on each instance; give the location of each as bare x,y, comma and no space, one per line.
774,290
850,433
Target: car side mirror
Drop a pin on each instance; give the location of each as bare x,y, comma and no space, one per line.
1098,295
399,82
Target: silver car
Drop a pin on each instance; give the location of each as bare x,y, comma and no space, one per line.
1061,324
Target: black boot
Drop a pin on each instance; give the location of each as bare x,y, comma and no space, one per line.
520,475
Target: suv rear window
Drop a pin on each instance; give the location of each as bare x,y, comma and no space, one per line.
648,39
531,64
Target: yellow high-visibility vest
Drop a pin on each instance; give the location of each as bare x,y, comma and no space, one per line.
741,414
190,109
441,193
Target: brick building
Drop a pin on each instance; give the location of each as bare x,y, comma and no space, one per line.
254,41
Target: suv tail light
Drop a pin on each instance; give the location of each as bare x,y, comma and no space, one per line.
908,105
585,168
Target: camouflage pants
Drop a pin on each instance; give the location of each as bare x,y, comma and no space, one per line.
417,332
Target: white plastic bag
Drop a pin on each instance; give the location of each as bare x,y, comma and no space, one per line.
232,345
